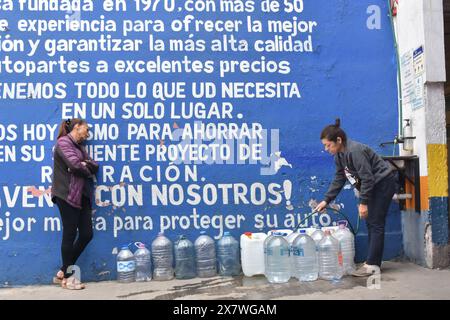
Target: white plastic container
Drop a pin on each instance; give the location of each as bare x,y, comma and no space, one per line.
252,253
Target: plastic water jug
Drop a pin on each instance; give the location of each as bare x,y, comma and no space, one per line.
304,257
347,242
184,259
277,262
143,263
126,265
205,251
317,236
228,256
252,253
162,255
330,258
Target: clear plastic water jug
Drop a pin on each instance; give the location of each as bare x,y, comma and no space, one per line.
162,255
126,265
330,258
228,256
347,242
277,263
317,236
184,259
143,263
304,257
205,251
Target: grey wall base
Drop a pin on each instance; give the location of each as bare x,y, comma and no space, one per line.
417,241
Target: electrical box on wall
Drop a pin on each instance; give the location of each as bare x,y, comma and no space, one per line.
408,192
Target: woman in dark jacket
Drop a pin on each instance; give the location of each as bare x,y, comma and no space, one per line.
375,182
73,173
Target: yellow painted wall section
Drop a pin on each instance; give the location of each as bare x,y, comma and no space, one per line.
437,170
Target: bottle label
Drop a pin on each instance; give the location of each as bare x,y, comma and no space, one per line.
284,252
268,251
299,253
340,258
126,266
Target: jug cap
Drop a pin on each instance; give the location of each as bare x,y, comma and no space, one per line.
342,223
248,234
327,232
302,231
124,247
226,233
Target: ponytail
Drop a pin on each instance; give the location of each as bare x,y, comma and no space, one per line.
334,131
67,126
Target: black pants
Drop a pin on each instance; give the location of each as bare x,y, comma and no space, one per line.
378,206
74,220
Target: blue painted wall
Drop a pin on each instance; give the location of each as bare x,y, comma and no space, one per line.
351,74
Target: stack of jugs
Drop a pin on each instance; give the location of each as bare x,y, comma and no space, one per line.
277,262
228,256
162,255
205,251
126,265
330,258
304,258
184,259
347,242
252,253
143,263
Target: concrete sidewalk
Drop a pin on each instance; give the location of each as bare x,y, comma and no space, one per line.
399,280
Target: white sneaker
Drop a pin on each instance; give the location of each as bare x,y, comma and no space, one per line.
366,270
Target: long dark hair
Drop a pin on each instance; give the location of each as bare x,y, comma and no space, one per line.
334,131
67,126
